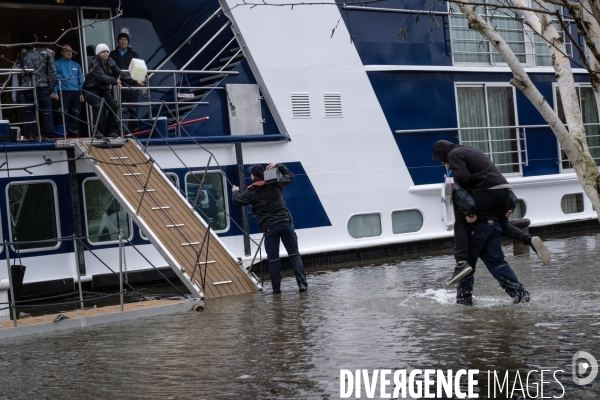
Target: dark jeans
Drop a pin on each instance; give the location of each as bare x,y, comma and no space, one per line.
44,105
485,242
491,203
285,232
71,106
107,125
131,96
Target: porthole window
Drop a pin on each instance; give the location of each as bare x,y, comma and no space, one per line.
406,221
519,211
572,203
364,225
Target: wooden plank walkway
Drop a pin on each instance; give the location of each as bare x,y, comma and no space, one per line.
169,221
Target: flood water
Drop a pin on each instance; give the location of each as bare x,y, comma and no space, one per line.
388,316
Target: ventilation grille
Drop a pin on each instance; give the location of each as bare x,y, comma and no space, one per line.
300,105
333,105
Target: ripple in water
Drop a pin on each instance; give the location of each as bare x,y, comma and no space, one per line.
292,346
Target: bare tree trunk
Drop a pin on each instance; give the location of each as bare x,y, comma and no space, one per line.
573,141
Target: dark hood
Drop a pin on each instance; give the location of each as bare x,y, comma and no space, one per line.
440,150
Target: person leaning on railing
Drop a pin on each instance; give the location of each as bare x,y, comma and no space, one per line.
103,73
69,86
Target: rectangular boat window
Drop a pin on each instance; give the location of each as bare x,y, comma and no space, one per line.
469,46
173,178
572,203
103,213
406,221
33,215
210,202
491,108
587,105
97,28
364,225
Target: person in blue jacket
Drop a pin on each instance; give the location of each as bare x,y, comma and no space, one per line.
274,219
68,88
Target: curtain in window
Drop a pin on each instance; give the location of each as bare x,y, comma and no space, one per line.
468,45
510,29
505,152
472,113
489,106
590,116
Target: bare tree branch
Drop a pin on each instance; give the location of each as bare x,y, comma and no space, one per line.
118,14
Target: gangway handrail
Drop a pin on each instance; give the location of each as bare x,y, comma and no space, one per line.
219,53
185,42
178,71
228,23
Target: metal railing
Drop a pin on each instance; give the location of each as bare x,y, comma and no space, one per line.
21,104
174,88
186,41
519,141
121,273
517,155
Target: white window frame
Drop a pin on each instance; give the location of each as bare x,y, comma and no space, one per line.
528,41
583,197
87,229
366,213
485,85
56,214
404,210
225,196
555,99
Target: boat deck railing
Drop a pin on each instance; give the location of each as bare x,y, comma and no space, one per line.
507,145
78,242
170,107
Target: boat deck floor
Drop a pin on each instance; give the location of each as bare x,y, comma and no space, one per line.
93,316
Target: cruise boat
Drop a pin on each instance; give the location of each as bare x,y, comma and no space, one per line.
330,90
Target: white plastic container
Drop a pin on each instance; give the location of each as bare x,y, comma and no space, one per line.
138,69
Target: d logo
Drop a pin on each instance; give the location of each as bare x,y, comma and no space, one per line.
581,367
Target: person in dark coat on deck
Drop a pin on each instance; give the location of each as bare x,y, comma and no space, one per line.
103,74
41,61
275,220
122,56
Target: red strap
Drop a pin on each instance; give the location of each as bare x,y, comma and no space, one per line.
257,184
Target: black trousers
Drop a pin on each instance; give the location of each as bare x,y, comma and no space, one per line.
489,203
108,121
71,106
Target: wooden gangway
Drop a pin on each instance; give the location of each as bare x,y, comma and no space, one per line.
201,261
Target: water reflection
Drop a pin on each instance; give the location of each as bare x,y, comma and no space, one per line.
392,316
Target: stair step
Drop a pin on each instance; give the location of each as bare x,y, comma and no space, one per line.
231,58
213,78
233,64
233,50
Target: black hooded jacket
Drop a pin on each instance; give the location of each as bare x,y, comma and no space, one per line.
266,200
473,170
103,74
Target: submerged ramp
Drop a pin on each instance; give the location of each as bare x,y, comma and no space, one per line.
201,261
